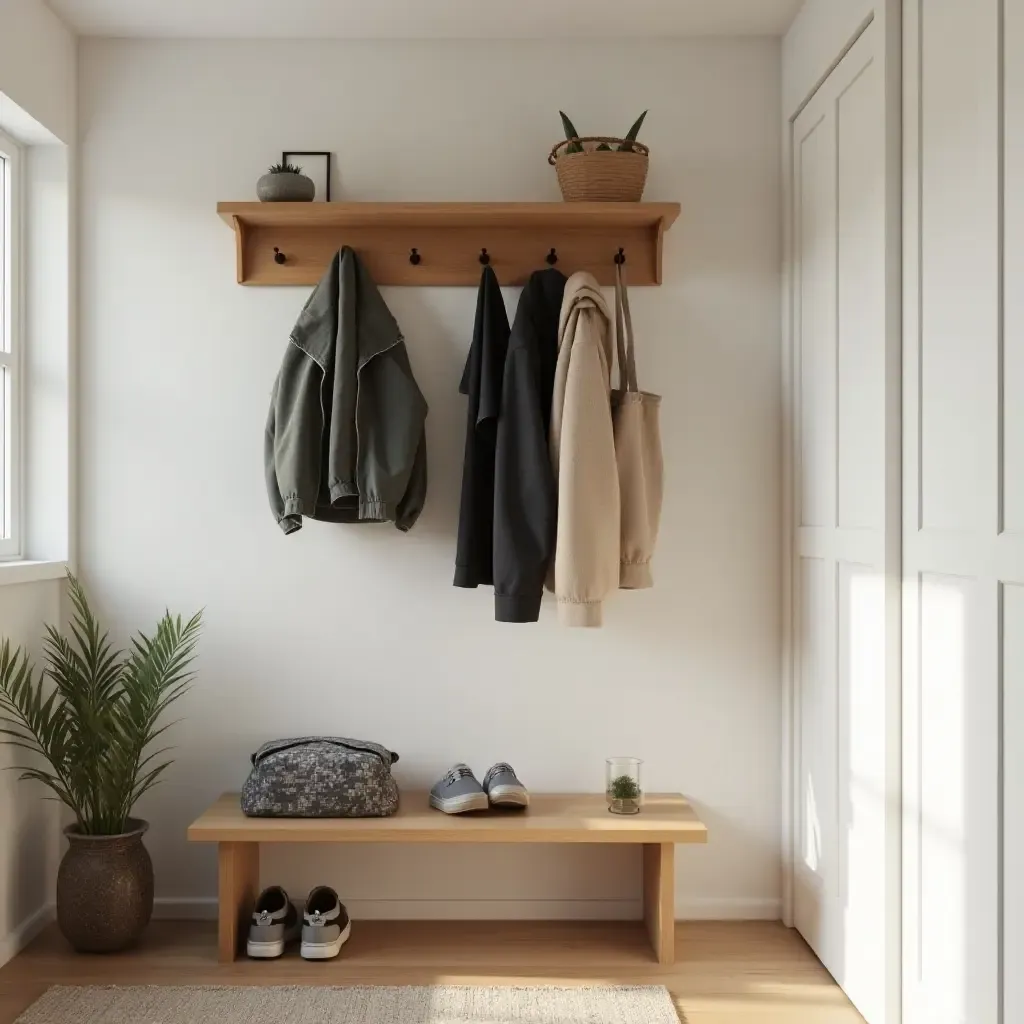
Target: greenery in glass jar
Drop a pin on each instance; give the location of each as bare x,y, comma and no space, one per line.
624,794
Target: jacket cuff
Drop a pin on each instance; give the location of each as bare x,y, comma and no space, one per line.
635,576
289,524
517,607
466,576
586,614
375,510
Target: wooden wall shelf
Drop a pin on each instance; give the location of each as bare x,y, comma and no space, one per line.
448,238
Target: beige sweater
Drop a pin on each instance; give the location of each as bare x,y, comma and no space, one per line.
586,565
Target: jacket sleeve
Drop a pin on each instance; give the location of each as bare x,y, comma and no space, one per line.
524,495
391,413
587,557
293,440
411,505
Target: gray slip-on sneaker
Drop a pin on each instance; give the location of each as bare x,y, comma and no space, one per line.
326,925
457,791
503,788
275,923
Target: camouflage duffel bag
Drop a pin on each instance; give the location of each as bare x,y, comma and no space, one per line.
321,777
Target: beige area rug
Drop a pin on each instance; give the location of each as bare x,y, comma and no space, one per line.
435,1004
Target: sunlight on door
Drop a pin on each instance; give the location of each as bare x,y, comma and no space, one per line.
861,801
940,813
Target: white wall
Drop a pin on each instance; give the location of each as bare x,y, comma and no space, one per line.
28,824
358,630
37,65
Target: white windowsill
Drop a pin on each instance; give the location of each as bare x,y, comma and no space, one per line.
31,572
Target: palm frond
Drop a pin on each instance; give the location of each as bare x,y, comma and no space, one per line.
93,712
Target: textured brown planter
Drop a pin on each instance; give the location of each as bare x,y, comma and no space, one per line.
105,889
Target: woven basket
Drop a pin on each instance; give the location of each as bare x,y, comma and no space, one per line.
600,177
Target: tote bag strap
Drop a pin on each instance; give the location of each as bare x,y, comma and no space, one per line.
624,334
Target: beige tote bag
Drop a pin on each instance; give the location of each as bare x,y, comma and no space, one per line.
636,422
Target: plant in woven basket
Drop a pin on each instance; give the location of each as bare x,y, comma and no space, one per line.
598,168
89,718
576,146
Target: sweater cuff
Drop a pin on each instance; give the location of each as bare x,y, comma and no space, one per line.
635,576
517,607
587,614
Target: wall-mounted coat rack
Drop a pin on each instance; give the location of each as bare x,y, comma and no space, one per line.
446,243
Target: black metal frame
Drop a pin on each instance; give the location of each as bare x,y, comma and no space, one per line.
309,152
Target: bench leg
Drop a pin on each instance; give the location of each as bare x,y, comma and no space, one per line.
660,899
238,882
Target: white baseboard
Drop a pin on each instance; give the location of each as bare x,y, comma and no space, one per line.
729,909
14,942
205,909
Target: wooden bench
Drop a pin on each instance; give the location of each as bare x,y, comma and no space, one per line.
666,819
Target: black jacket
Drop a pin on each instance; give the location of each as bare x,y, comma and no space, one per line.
481,381
524,487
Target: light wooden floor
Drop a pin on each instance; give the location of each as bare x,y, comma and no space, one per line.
727,973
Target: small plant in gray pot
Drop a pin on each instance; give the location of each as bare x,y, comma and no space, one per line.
285,183
88,722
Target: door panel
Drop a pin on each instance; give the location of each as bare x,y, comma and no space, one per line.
844,590
815,179
816,873
860,313
1013,806
1013,234
963,550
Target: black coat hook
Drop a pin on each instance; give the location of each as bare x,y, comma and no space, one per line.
552,257
484,257
279,257
620,257
414,258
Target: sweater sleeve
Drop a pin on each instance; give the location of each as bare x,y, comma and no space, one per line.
587,556
293,440
524,495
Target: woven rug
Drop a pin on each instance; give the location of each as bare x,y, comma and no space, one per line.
434,1004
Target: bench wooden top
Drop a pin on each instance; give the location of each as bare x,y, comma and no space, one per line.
551,818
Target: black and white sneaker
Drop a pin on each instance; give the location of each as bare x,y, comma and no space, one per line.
275,923
326,925
503,788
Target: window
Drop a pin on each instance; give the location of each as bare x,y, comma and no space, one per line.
10,345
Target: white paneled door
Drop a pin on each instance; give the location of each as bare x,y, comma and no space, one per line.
963,720
844,454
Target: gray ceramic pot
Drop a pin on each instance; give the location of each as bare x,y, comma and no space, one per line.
105,889
285,188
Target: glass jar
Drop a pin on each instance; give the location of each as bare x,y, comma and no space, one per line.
622,785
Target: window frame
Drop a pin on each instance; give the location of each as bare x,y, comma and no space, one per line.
12,343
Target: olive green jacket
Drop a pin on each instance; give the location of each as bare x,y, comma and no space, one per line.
345,439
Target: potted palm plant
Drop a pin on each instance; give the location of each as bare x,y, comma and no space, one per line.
87,722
